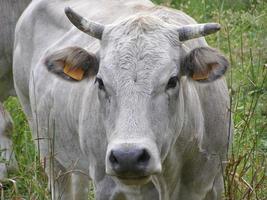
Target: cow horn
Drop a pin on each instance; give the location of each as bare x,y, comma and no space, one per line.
91,28
197,30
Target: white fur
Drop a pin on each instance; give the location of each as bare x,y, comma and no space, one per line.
138,55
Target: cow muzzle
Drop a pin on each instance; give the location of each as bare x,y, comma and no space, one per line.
132,163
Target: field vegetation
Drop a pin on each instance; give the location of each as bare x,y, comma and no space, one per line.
243,39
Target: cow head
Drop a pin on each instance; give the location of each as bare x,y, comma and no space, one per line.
138,73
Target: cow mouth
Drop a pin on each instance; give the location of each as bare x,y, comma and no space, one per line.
140,180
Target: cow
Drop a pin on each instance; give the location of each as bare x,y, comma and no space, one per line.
6,127
126,94
9,14
10,11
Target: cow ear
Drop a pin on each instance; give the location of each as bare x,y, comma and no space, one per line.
204,64
72,63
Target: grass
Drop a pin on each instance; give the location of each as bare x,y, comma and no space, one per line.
30,180
243,40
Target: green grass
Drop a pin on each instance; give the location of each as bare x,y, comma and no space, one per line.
243,39
30,180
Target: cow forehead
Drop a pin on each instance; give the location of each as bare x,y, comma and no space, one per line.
139,49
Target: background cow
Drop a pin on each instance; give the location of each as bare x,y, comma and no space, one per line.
10,10
5,143
139,106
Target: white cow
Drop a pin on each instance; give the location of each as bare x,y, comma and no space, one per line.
10,11
134,100
7,157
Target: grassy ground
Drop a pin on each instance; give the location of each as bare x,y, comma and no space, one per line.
243,39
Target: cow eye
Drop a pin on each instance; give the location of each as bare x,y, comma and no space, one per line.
172,82
100,83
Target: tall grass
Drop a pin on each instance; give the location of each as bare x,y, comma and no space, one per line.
30,179
243,40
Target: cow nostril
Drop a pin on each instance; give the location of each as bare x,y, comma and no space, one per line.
112,158
144,157
129,162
